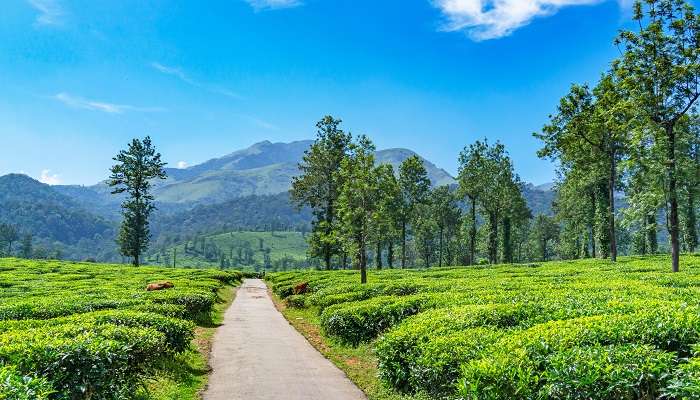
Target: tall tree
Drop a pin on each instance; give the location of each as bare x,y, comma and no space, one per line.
500,185
319,184
388,213
415,186
136,167
26,246
545,231
689,170
660,69
358,202
444,210
8,235
588,136
472,162
515,213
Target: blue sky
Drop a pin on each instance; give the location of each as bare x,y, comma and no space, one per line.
80,78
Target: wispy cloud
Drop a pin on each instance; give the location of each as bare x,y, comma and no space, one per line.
262,5
182,164
49,178
94,105
492,19
181,75
261,123
50,12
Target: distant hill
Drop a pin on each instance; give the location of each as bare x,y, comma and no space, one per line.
264,168
244,190
53,218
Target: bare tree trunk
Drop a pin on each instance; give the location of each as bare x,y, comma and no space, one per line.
673,198
493,238
650,226
363,265
611,211
390,254
472,235
379,254
440,261
403,244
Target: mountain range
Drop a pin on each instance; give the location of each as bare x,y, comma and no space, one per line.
246,189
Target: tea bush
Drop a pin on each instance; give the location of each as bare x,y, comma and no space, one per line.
84,330
585,329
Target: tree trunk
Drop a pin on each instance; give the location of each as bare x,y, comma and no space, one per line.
650,228
673,198
363,265
611,208
592,223
403,244
390,254
136,260
327,257
507,245
691,235
440,252
472,235
379,254
493,238
345,260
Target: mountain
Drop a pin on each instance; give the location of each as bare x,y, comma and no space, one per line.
264,168
395,157
244,190
55,219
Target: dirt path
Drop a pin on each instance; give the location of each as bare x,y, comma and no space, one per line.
257,355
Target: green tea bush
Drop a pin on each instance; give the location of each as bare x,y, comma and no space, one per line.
629,371
92,331
515,363
81,362
14,386
354,323
509,331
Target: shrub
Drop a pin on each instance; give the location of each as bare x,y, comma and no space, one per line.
15,386
629,371
354,323
104,361
515,362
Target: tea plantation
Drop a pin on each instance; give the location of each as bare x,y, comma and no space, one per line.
586,329
92,331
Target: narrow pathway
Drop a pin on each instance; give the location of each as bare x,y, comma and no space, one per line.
257,355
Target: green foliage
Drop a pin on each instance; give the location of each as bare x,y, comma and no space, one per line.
320,183
575,329
92,330
14,386
135,169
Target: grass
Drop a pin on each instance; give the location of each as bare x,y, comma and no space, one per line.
185,376
359,363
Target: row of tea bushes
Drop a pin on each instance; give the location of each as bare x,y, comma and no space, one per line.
92,331
586,329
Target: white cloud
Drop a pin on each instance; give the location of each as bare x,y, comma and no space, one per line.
182,164
181,75
260,5
492,19
50,12
110,108
49,178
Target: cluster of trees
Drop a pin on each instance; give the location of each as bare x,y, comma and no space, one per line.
635,132
16,243
366,211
